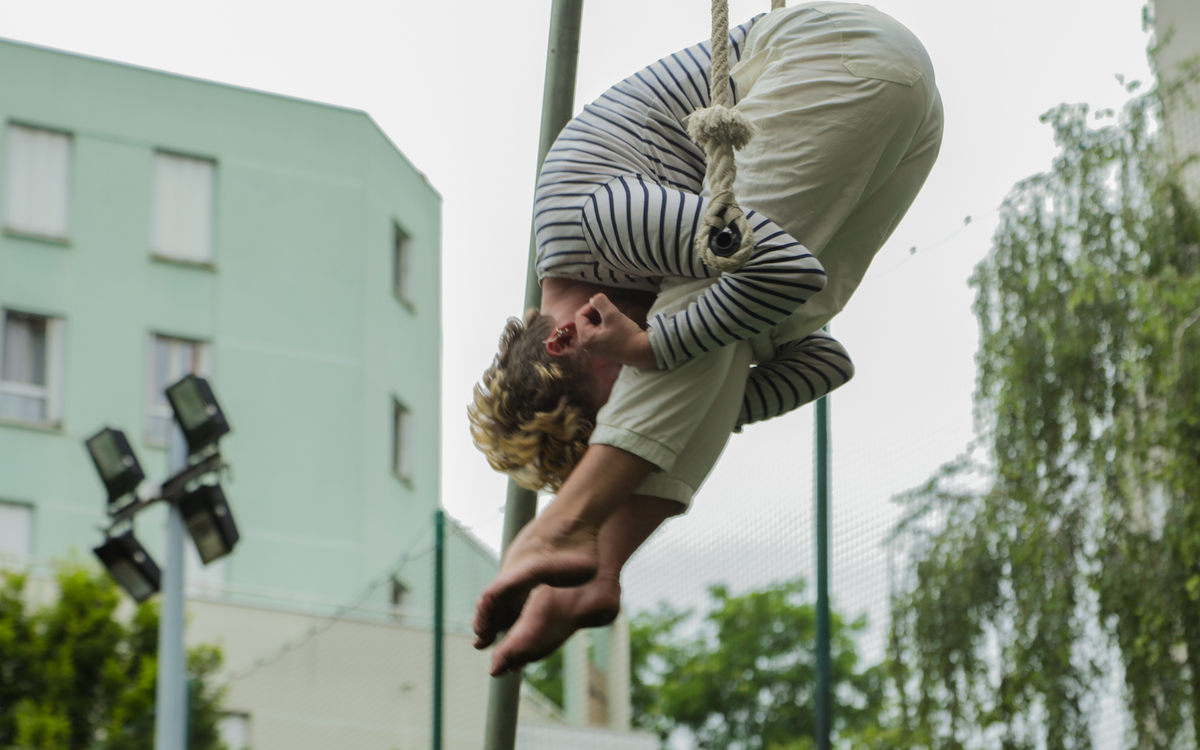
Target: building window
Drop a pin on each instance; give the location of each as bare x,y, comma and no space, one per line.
30,368
183,208
401,440
170,360
235,731
16,533
37,181
401,262
204,579
399,594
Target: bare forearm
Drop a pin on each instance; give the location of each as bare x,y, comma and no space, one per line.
604,479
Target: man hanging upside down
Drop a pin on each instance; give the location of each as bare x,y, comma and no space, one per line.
622,390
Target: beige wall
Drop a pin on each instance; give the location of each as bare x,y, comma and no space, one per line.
343,683
308,682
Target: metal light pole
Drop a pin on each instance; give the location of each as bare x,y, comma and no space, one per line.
201,511
558,104
170,697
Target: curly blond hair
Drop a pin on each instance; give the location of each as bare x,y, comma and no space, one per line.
532,415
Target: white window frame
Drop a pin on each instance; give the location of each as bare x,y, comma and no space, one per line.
22,556
401,440
201,365
165,238
52,392
234,726
402,280
56,227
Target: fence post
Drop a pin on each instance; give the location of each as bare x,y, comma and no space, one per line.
439,621
821,478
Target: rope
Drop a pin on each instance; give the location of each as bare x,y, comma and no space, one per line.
725,239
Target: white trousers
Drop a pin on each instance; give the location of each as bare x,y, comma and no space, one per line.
849,122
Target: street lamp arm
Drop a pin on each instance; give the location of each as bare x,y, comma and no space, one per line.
172,489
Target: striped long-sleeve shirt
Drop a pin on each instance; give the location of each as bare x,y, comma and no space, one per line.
618,203
801,371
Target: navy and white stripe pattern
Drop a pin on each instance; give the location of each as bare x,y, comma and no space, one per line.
777,279
618,204
801,371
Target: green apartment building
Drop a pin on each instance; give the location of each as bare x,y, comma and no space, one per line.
155,225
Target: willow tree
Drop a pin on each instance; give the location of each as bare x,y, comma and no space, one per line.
1067,543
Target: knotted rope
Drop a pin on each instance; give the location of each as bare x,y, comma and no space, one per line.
725,239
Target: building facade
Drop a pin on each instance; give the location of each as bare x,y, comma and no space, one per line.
155,225
152,226
1177,35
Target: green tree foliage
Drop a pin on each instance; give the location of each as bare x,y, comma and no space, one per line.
747,679
1073,532
649,639
546,676
653,642
75,677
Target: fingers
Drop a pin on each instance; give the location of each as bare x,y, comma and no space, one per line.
604,330
598,310
589,324
592,315
485,635
587,319
603,305
500,666
598,317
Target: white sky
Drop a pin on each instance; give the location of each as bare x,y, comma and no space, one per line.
458,87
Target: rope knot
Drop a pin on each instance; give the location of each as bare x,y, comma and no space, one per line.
719,126
720,130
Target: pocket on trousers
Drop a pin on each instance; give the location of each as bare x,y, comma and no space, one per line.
867,57
747,72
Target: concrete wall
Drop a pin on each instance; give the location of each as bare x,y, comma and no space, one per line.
344,683
366,683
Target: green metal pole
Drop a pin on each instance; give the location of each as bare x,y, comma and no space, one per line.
439,621
504,694
824,662
558,104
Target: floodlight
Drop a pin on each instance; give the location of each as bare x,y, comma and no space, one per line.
116,462
128,562
209,521
197,411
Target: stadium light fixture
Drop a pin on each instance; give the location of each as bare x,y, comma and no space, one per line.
128,562
209,521
198,413
118,465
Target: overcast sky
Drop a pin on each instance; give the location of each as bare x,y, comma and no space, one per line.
457,86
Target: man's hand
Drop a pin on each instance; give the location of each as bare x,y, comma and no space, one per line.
605,331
